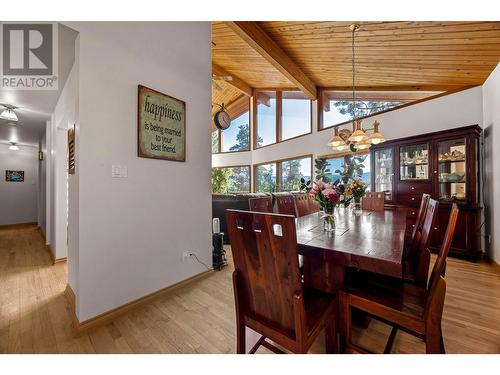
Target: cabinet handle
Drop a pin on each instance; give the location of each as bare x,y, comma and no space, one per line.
435,228
435,172
413,199
413,212
413,188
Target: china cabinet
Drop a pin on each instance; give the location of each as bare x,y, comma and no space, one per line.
443,164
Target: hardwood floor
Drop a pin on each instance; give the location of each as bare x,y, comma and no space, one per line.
35,316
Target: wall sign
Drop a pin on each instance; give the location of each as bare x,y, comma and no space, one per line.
161,125
14,176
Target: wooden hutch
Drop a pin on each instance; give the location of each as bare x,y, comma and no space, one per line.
444,164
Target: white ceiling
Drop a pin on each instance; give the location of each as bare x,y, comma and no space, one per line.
35,107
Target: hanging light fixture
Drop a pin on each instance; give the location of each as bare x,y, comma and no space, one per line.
357,139
13,146
8,113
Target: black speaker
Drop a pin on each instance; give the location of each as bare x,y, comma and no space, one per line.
218,254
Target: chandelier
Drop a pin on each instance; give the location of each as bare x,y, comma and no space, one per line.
357,139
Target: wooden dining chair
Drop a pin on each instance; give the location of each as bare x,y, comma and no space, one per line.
373,201
313,205
285,204
268,292
416,266
302,204
411,308
411,243
261,204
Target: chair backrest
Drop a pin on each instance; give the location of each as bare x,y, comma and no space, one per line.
417,229
261,204
285,204
265,255
436,289
313,205
373,201
302,204
440,264
421,258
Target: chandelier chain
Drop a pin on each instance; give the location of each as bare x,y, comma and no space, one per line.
353,75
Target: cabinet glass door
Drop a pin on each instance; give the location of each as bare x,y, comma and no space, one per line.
414,162
383,173
452,170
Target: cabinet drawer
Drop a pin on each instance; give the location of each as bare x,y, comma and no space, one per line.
413,188
412,200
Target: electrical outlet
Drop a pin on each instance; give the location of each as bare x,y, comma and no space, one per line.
185,256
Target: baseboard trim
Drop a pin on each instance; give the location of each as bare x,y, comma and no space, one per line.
495,265
107,316
20,225
51,254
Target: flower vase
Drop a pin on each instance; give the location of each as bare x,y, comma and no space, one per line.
357,206
329,219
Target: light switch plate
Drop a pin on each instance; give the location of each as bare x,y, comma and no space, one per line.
119,171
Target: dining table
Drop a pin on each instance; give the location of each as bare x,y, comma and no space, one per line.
367,240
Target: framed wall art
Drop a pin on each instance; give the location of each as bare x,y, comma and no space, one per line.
14,176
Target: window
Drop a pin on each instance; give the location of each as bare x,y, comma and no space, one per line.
266,118
265,178
337,106
237,136
337,163
231,179
295,110
292,171
296,115
282,175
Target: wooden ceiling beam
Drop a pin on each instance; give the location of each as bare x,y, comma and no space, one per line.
258,39
236,82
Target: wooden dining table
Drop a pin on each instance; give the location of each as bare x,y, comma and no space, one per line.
370,241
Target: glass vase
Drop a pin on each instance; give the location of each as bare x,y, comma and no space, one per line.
357,206
329,219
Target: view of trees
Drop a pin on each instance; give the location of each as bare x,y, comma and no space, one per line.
230,180
242,139
266,178
365,109
291,175
215,141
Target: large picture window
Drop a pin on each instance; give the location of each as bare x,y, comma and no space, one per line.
282,175
226,180
265,178
337,106
281,116
292,171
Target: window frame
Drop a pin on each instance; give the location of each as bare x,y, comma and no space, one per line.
250,131
250,176
320,126
278,162
278,119
342,154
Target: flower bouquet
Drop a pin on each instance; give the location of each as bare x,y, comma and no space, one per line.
328,196
357,189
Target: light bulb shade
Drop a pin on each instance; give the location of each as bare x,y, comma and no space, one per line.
358,136
13,147
376,138
363,145
335,141
341,147
8,114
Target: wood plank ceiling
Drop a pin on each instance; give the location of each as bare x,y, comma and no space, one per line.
436,56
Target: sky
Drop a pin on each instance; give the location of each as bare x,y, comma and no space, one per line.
229,135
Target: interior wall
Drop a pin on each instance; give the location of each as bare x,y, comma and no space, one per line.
18,200
446,112
132,231
491,119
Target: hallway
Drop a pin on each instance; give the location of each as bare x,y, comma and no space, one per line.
199,318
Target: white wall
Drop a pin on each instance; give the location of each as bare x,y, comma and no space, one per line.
451,111
491,119
18,200
132,231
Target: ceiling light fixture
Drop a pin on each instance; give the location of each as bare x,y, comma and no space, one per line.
357,139
13,146
8,113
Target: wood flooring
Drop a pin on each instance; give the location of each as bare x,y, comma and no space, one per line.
199,318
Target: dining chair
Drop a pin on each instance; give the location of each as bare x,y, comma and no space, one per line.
411,243
269,296
414,309
261,204
416,266
373,201
313,205
302,204
285,204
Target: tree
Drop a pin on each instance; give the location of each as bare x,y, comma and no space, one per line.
368,107
239,181
220,180
242,139
291,175
215,141
265,179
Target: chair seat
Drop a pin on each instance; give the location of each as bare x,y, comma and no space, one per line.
317,305
395,294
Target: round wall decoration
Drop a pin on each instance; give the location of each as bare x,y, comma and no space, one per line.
222,119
